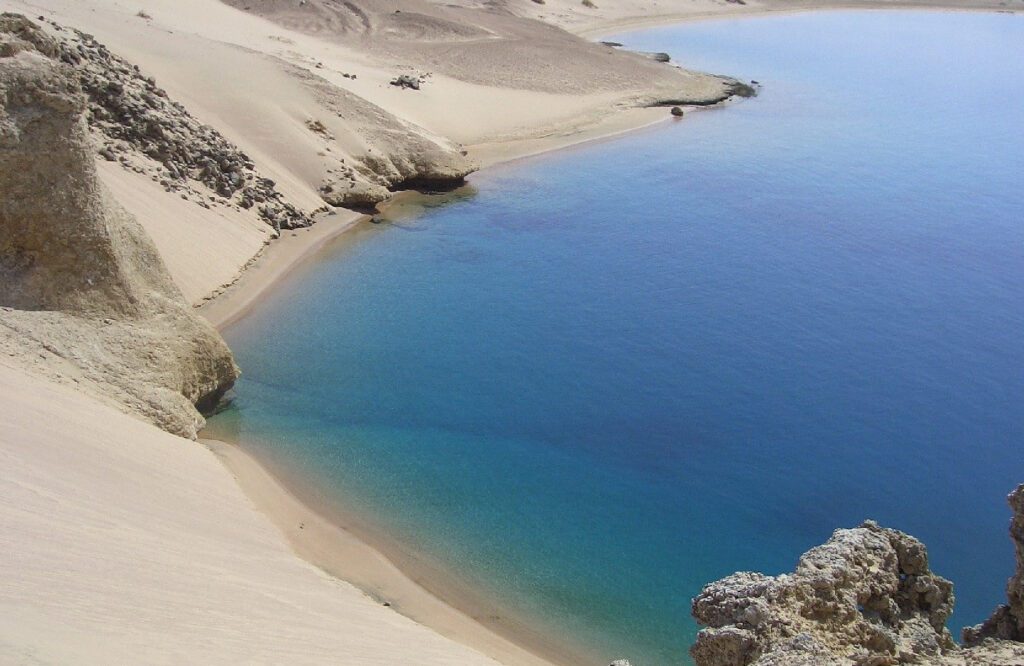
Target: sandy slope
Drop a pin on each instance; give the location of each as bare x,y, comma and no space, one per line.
120,543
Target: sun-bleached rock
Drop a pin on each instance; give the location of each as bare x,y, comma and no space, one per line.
85,295
865,597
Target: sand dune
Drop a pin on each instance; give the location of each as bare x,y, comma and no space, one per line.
120,543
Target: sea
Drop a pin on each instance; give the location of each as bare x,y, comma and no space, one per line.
591,382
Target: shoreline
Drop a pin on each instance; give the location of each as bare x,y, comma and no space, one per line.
350,549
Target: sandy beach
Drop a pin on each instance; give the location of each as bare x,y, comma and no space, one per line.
123,542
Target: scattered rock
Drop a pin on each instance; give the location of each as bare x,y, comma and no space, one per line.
319,128
612,44
407,81
677,111
134,117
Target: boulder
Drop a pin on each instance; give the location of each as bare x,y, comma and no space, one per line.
407,81
353,194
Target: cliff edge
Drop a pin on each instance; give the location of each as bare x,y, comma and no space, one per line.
86,298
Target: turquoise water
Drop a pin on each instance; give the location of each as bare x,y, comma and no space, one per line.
594,381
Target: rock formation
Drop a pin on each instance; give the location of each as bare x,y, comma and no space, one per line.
1007,622
85,296
864,598
132,116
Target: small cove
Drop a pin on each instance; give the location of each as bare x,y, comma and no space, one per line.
593,381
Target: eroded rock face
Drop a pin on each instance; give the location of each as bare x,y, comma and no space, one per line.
131,116
1007,622
865,597
82,288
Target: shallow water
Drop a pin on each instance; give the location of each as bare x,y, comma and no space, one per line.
599,379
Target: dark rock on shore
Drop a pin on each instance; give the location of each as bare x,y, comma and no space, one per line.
407,81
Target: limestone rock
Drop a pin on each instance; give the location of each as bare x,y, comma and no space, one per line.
866,597
84,291
354,194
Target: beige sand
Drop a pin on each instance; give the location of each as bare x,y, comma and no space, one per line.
120,543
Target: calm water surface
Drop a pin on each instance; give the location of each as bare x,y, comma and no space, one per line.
599,379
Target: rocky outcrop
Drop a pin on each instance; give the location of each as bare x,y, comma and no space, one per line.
865,597
1007,622
404,156
353,193
82,288
131,115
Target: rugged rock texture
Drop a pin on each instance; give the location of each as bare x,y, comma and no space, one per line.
1007,622
83,291
132,116
865,597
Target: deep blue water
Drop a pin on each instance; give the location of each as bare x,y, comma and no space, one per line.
599,379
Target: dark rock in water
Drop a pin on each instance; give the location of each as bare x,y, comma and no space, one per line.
677,112
407,81
661,57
